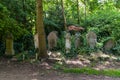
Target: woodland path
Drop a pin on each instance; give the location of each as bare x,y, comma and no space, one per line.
10,70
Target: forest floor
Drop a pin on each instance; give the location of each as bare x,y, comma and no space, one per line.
15,70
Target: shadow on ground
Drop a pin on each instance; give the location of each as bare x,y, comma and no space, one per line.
14,70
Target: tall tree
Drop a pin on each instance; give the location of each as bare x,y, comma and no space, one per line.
85,10
42,51
62,4
24,16
78,13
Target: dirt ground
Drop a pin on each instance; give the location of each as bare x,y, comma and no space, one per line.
14,70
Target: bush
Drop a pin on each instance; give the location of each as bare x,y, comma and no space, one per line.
106,23
2,48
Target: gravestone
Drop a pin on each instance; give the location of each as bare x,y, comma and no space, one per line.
77,40
67,42
9,45
52,40
36,40
91,38
108,45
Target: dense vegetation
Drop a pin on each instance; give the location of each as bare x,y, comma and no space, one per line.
18,17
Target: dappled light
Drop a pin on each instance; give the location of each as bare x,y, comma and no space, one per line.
59,39
74,62
46,65
97,60
34,79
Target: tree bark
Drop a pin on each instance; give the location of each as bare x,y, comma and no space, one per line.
63,13
78,21
85,11
42,50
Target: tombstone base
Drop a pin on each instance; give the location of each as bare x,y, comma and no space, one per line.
9,53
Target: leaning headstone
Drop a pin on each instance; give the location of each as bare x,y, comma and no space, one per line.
9,45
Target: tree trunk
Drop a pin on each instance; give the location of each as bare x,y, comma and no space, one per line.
63,13
24,16
42,50
85,11
78,21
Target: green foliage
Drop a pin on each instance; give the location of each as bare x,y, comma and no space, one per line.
117,4
85,50
25,55
18,17
28,42
2,48
9,24
53,19
106,39
50,26
58,66
24,43
106,24
18,46
61,43
116,48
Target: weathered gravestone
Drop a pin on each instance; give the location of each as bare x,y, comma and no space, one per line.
108,45
36,40
67,42
78,41
9,45
91,38
52,40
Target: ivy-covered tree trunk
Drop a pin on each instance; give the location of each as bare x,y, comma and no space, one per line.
42,50
9,45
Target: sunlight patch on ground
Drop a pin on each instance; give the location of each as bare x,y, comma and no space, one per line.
77,62
34,79
46,65
35,74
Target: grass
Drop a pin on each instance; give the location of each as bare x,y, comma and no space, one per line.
90,71
112,72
